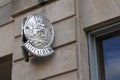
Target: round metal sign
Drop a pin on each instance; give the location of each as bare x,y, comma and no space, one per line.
39,34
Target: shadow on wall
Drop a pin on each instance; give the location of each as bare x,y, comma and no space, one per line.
41,60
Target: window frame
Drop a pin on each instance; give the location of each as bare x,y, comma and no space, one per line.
92,46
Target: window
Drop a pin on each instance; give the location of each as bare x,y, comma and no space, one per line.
5,67
104,52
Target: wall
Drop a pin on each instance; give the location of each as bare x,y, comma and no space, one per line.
70,19
93,12
63,64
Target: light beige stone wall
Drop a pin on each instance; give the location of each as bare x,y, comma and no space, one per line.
63,64
70,18
6,39
96,11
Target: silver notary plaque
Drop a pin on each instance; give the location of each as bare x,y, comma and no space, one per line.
39,34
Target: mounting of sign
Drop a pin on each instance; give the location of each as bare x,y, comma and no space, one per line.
37,36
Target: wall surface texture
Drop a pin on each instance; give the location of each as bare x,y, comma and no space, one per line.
70,19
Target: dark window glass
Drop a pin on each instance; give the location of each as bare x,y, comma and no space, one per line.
111,50
5,67
109,56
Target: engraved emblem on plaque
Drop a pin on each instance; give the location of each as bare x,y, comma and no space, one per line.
37,36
